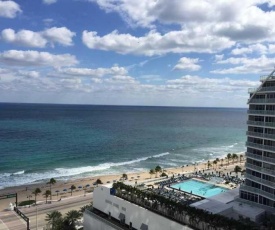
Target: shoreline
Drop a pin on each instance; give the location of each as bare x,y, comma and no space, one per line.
24,191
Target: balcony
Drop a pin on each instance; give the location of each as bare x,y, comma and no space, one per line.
262,101
268,171
262,181
260,146
261,112
263,135
257,191
252,90
269,159
267,88
254,167
261,123
253,156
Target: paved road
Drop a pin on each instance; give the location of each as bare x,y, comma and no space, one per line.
7,222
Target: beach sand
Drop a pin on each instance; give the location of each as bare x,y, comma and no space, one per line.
26,190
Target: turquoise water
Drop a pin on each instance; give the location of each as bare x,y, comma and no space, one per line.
40,141
199,188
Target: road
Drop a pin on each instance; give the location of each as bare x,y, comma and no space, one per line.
8,219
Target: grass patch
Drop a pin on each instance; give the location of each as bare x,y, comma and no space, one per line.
26,202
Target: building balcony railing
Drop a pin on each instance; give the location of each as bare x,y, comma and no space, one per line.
262,101
261,123
252,90
263,135
253,156
269,159
261,112
260,146
257,191
260,180
267,88
268,171
253,167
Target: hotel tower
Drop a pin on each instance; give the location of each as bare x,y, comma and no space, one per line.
259,186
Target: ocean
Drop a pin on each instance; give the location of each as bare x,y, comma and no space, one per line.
41,141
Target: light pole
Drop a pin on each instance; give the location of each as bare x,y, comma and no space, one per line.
36,219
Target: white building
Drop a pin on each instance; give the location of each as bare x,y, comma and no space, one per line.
129,215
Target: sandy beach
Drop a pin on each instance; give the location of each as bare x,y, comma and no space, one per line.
25,191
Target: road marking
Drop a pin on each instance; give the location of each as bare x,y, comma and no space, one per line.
4,226
24,222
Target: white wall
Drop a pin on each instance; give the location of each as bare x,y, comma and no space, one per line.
103,201
92,223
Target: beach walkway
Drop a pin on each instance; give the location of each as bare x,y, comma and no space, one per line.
9,220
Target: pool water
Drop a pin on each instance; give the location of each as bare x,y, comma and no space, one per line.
199,188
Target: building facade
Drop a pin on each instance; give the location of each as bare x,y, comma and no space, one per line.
259,186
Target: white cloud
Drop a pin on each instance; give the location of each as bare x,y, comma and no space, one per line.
237,20
40,39
9,9
48,2
189,64
199,84
35,58
24,38
246,65
99,72
29,74
121,80
154,43
60,35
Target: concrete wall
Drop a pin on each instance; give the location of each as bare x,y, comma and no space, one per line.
93,223
103,201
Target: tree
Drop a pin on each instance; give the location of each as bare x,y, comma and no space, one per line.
151,172
208,164
98,181
47,194
215,163
237,169
229,156
54,218
235,157
72,188
36,192
124,176
222,162
157,170
72,216
51,182
241,157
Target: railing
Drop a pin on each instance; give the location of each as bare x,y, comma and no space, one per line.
252,90
254,178
263,135
269,159
258,191
260,146
251,166
268,171
267,182
267,88
261,123
254,156
262,100
264,77
261,112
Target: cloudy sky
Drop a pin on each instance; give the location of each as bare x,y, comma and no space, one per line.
128,52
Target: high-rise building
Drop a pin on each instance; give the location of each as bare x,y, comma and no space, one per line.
259,186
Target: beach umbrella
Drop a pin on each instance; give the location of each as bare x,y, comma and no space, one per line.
57,191
79,186
64,190
87,185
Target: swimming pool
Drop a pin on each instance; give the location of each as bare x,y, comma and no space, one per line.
199,188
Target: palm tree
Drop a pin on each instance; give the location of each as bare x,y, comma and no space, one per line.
222,162
215,163
36,192
229,156
54,218
47,194
234,157
152,171
51,182
72,216
124,176
208,165
241,157
237,169
157,170
72,188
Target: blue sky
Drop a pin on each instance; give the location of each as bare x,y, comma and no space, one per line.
127,52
